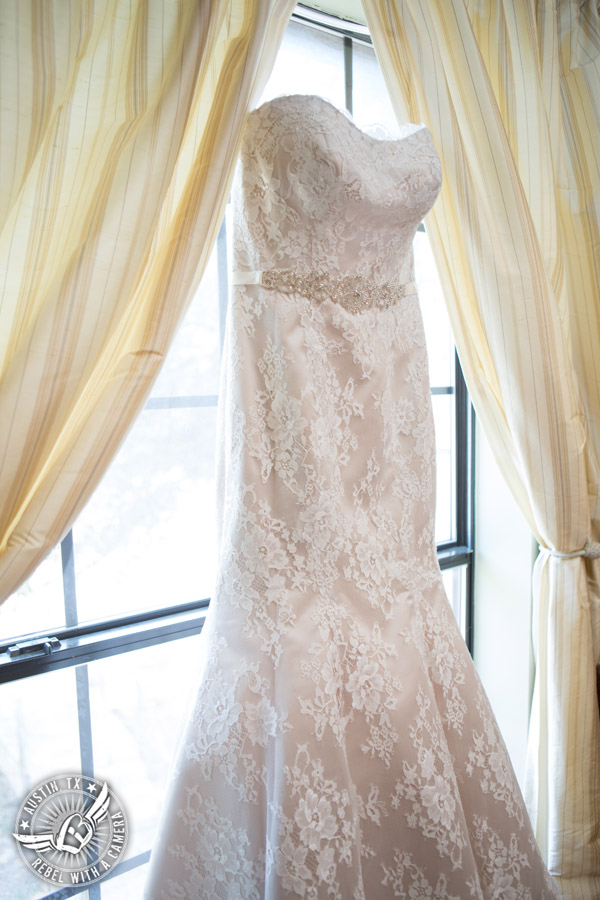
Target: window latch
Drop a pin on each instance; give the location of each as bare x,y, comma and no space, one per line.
39,647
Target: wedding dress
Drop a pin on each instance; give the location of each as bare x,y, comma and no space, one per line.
341,746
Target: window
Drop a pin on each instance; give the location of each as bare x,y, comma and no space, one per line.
136,570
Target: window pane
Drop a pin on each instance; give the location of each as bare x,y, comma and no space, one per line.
443,415
128,696
39,738
193,362
440,343
455,583
371,105
308,62
129,885
147,536
38,604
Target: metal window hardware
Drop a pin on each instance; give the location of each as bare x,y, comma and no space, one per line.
39,647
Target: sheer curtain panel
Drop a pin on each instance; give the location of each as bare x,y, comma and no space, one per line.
511,92
120,122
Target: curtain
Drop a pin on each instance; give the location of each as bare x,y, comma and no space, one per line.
511,93
120,122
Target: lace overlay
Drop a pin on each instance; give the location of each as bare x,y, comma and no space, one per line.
341,746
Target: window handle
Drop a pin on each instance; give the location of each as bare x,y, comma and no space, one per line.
38,647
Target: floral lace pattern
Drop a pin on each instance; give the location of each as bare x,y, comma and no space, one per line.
320,835
428,789
407,880
341,747
228,870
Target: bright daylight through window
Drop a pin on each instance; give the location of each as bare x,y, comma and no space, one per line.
141,556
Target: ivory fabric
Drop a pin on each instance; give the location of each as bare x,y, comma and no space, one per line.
120,123
511,93
341,745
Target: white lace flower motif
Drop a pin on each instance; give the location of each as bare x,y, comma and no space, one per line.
315,821
443,661
285,421
326,865
365,684
427,762
291,866
497,762
238,580
263,552
220,711
502,887
273,592
261,721
234,891
439,802
326,435
318,520
218,853
331,671
294,244
371,559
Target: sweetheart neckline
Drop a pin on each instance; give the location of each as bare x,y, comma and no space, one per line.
392,141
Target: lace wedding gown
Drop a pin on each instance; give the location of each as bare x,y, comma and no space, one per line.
341,746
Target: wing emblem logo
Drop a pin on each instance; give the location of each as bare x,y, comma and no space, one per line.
67,839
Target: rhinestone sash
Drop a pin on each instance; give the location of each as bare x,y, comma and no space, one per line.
353,292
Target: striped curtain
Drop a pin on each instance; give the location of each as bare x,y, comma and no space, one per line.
120,122
511,92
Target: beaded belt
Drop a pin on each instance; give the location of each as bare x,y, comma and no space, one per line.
353,292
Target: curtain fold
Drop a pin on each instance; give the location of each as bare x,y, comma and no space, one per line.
511,93
120,124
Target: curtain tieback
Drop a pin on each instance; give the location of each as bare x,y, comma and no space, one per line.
590,551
